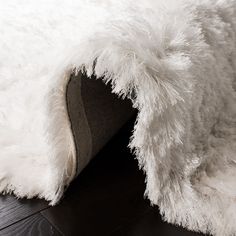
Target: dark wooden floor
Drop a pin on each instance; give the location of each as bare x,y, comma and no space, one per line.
106,199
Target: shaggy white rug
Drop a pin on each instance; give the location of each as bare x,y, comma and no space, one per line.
176,60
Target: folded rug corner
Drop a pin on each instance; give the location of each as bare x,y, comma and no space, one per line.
176,61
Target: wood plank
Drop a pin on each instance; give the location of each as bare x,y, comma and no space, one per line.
13,209
35,225
149,224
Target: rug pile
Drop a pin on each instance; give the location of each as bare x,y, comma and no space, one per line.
176,61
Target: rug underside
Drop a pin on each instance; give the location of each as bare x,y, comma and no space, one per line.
176,61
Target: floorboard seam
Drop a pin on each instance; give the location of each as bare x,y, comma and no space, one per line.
53,225
24,218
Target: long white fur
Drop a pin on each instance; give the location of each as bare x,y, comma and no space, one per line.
176,60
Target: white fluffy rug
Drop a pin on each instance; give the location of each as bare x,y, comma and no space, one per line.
176,60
